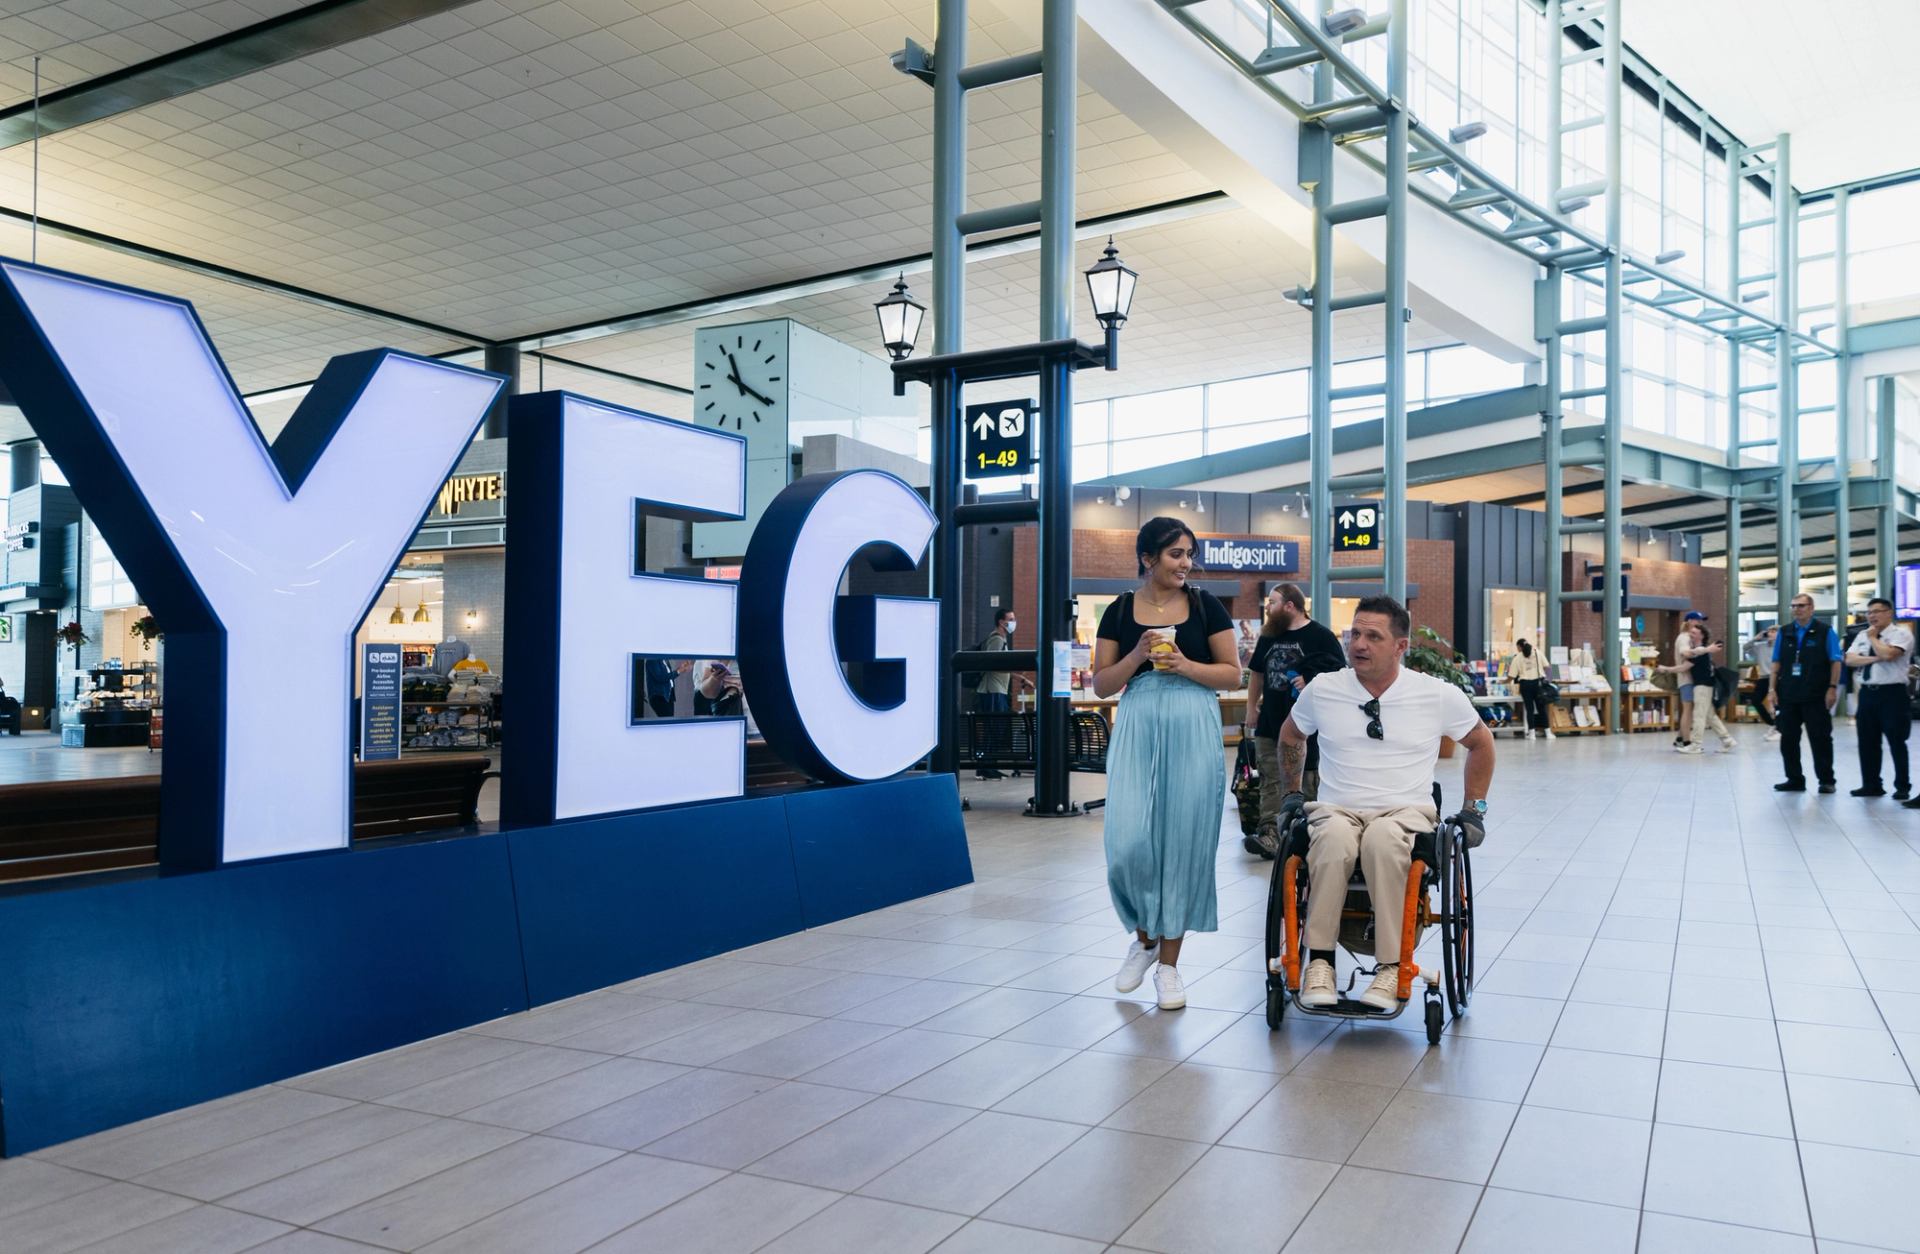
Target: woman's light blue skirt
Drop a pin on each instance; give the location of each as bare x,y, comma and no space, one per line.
1166,789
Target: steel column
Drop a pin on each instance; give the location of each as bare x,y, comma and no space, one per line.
1551,454
949,312
1886,518
1393,505
1320,372
1786,392
1059,92
1735,155
501,359
1611,602
1550,461
1842,416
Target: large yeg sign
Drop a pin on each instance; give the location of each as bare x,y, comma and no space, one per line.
251,552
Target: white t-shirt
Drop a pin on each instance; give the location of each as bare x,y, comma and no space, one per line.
1894,672
1358,772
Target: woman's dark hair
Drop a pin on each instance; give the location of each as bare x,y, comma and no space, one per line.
1157,536
1526,650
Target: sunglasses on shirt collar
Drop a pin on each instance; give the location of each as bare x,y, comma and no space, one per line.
1372,710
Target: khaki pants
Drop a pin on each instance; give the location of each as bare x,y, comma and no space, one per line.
1266,756
1705,716
1382,842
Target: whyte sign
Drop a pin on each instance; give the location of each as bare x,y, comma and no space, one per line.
1274,557
251,552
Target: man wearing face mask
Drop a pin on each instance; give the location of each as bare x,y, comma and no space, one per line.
994,695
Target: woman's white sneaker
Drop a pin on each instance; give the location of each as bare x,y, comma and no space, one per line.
1169,987
1134,968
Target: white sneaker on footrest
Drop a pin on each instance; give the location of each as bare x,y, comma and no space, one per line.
1134,968
1317,990
1384,992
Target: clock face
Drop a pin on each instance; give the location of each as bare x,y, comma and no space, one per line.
740,384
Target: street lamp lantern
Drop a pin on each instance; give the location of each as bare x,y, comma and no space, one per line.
1111,284
900,315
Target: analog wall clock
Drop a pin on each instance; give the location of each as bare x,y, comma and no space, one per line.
741,380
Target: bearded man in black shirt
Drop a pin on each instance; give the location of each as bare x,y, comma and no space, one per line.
1292,650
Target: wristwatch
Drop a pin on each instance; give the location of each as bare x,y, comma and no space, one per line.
1479,807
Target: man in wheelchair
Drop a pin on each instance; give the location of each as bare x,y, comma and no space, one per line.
1380,727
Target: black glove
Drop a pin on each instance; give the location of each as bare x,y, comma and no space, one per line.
1292,804
1472,826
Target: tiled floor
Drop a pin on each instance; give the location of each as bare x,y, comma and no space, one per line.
1697,1029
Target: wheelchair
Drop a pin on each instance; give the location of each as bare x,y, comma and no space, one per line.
1441,867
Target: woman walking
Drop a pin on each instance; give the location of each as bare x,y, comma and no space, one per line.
1527,669
1172,648
1706,716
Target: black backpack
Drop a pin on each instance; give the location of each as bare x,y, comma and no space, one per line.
970,680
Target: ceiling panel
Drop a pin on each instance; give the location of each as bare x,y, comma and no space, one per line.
82,39
1837,77
1206,309
507,171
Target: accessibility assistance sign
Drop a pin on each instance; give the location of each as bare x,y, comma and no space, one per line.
999,439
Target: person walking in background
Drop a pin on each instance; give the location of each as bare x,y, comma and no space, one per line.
995,693
1806,683
1171,647
1292,650
1706,712
1881,654
1759,654
1530,673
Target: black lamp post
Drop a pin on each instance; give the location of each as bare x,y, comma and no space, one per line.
900,316
1111,284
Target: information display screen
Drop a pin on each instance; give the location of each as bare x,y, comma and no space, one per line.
1906,591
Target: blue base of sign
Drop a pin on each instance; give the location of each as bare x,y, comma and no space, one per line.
128,996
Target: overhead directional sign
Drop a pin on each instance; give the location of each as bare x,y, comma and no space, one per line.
1356,526
999,439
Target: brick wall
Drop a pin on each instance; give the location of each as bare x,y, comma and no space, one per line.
1703,587
1109,555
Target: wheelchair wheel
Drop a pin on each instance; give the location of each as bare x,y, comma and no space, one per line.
1276,1001
1436,1022
1276,911
1456,919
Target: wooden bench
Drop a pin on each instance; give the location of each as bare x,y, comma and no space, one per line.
65,826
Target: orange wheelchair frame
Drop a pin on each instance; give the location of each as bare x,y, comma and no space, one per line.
1440,861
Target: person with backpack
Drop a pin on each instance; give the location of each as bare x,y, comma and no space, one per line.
993,694
1171,647
1293,649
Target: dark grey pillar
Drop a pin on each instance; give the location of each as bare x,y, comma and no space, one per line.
502,359
24,465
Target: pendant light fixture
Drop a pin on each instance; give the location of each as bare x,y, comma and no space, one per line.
398,618
421,616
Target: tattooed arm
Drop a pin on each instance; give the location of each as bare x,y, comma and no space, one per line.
1293,756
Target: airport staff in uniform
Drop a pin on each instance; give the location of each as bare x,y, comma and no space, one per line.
1881,655
1806,682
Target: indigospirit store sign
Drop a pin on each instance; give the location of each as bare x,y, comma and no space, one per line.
252,552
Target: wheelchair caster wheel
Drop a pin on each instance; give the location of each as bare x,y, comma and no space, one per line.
1276,1002
1436,1021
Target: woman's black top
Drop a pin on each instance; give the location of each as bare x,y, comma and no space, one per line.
1206,617
1700,669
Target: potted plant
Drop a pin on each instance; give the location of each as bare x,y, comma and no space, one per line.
1432,654
73,635
148,631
